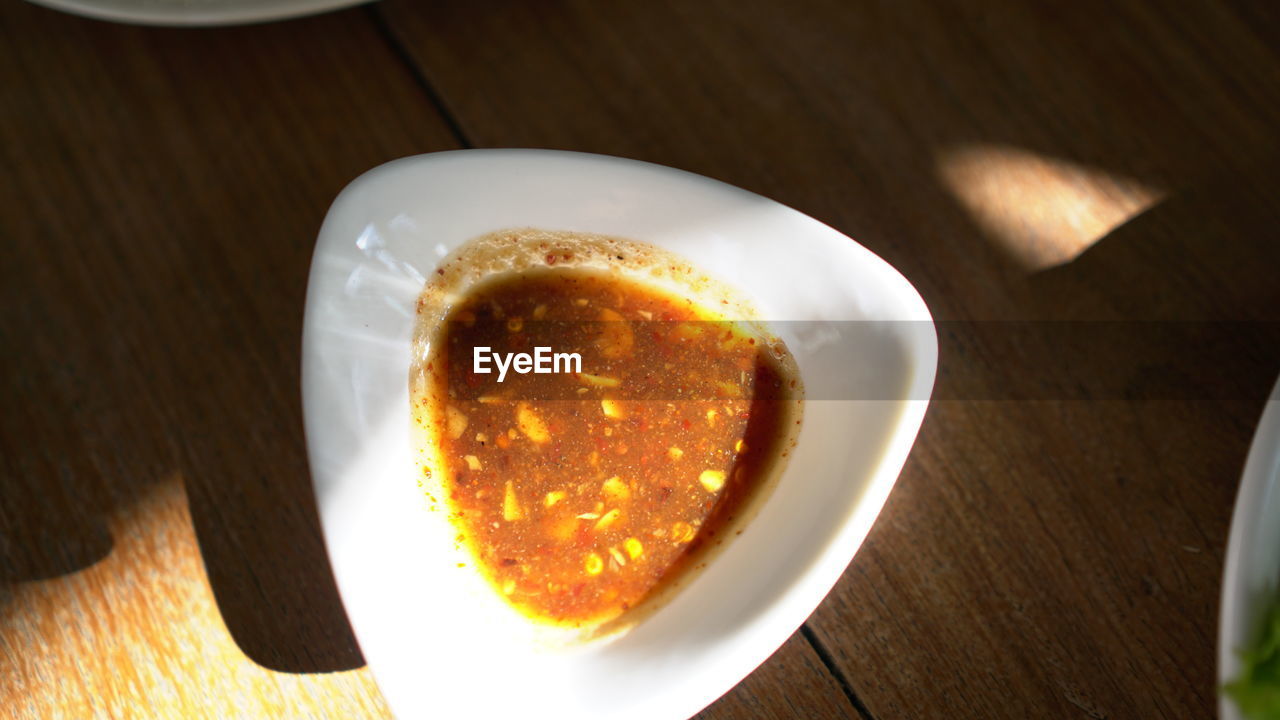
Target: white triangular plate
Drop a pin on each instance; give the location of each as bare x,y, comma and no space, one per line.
440,650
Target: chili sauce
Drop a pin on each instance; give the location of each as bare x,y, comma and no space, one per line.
581,491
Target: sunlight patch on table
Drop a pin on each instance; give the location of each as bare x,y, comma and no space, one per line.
1044,211
139,634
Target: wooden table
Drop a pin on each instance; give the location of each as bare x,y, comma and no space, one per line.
1054,545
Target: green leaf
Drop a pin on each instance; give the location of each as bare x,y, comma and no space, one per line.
1257,690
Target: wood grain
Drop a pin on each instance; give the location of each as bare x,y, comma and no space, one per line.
1043,173
1054,547
161,198
159,549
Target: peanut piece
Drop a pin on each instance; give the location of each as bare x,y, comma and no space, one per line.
608,519
530,424
712,480
455,422
633,547
511,504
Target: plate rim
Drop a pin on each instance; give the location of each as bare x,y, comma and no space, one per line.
238,13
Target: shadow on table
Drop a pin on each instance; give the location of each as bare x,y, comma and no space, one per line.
271,577
1192,287
150,312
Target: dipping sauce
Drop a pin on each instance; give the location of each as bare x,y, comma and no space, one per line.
584,490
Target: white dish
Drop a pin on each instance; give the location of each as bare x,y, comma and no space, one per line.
195,12
439,647
1252,576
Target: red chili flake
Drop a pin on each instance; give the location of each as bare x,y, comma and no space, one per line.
551,259
508,562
